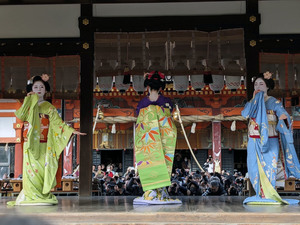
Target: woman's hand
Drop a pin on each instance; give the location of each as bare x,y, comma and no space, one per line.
30,93
283,117
255,92
78,133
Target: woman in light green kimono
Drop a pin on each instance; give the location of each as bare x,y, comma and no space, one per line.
46,137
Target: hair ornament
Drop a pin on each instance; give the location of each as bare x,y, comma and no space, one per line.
146,75
161,75
45,77
30,81
267,75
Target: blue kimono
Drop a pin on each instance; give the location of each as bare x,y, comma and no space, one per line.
264,149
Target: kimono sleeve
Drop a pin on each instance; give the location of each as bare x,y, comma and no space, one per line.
60,132
279,109
250,109
25,111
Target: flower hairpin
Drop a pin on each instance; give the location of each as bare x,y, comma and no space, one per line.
267,75
45,77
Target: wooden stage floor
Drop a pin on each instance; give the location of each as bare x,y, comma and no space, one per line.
120,210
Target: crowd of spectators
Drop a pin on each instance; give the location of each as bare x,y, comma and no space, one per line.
112,182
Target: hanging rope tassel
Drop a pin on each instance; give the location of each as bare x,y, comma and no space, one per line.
113,129
193,128
177,116
233,126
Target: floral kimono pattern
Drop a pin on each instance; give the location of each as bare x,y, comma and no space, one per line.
264,148
155,140
40,154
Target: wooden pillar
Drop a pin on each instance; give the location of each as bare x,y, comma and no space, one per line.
18,159
216,141
86,99
18,126
251,37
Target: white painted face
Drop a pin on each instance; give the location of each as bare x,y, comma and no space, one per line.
260,85
39,88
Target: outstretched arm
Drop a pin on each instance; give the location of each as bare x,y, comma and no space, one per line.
78,133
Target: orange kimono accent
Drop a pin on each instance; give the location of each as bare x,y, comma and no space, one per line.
44,120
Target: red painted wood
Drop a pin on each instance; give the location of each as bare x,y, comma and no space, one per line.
18,159
216,139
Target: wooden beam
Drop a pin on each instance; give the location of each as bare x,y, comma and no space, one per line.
39,2
280,43
44,47
163,23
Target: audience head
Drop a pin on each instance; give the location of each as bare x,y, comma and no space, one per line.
214,185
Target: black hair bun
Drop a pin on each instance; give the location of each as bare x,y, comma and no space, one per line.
155,80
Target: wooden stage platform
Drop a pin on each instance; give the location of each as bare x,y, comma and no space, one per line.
96,210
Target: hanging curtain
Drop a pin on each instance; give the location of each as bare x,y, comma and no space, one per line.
197,82
218,83
105,84
120,85
181,83
15,74
138,83
233,82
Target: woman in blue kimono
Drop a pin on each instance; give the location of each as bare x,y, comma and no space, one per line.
269,139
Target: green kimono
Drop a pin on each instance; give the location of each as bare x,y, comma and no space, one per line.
40,159
155,141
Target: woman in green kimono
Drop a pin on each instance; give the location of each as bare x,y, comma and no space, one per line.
45,137
155,141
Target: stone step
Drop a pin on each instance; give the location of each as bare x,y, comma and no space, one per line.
170,218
